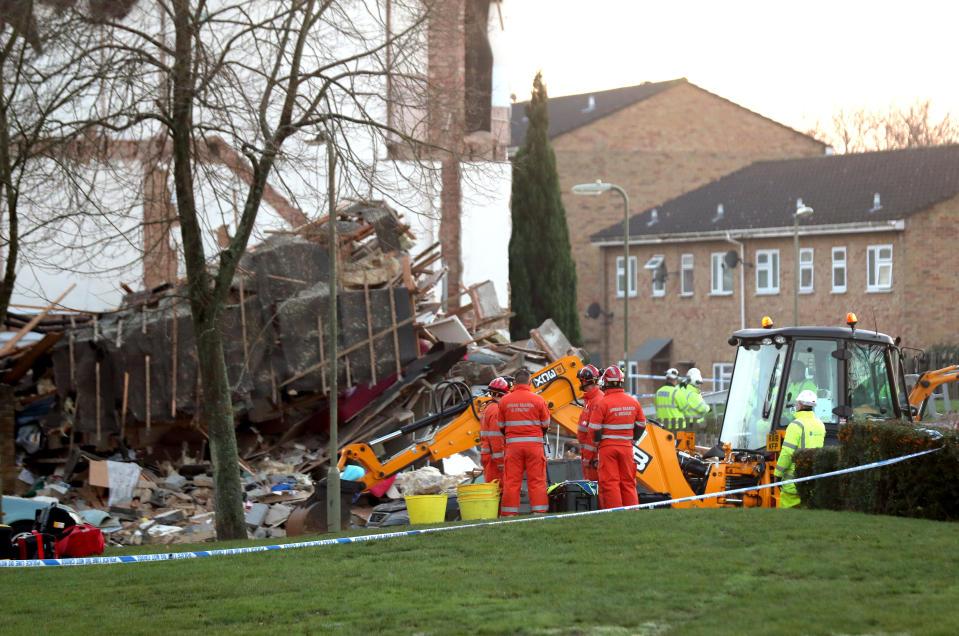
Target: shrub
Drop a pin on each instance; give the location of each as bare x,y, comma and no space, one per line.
925,487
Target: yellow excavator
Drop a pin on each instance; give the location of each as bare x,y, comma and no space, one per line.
929,382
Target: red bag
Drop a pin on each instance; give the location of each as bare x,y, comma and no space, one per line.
34,545
81,540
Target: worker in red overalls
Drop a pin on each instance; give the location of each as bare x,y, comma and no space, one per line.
492,446
524,420
615,422
589,385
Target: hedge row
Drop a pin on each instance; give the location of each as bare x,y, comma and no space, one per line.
926,487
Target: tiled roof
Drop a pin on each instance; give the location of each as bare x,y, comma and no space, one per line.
572,111
841,189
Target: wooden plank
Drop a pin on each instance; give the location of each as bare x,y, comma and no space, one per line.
538,339
10,344
146,372
369,331
25,363
123,408
407,272
396,335
174,362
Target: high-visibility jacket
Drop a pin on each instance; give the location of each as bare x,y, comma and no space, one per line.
805,431
615,416
587,448
524,419
692,405
666,410
492,444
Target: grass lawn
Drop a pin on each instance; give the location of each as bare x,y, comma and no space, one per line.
643,572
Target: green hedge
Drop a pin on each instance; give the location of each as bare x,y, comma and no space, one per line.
926,487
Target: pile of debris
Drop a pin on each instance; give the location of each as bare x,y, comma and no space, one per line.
122,388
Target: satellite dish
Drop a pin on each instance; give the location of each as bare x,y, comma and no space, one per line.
593,311
730,259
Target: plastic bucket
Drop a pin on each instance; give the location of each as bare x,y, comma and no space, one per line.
491,488
426,508
479,506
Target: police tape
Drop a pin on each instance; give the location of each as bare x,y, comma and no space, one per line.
175,556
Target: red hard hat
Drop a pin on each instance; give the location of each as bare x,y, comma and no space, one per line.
613,374
499,385
589,373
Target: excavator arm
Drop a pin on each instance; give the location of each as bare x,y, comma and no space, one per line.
556,383
929,382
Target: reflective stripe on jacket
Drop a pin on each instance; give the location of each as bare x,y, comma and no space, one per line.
694,407
491,438
665,403
805,431
591,397
615,416
523,414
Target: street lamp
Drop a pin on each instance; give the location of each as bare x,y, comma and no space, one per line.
801,211
596,189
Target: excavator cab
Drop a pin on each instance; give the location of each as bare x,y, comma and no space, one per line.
857,375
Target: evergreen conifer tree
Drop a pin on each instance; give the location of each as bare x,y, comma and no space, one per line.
542,273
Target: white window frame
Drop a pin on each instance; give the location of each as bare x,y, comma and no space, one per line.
632,376
717,273
875,266
654,262
772,271
633,264
839,264
722,373
806,261
686,265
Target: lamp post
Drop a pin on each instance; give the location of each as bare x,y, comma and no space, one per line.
594,189
801,211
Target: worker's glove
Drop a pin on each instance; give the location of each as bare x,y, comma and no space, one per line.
594,463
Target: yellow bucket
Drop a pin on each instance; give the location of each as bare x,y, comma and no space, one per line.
492,488
479,506
426,508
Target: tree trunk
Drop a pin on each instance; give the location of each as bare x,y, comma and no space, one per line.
8,460
216,412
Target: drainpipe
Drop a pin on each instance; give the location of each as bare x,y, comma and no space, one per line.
742,281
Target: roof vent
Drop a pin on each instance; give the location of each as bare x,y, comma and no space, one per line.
719,213
591,106
876,203
653,218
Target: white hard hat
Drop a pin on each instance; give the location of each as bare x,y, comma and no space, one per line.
806,398
695,376
672,374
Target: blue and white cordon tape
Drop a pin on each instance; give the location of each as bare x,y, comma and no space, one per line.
170,556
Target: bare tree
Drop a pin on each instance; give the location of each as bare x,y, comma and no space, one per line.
863,130
50,63
247,84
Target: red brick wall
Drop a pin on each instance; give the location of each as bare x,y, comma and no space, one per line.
656,150
919,308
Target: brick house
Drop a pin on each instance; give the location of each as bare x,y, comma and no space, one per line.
879,243
656,141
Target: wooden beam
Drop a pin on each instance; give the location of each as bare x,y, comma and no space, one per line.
25,363
10,344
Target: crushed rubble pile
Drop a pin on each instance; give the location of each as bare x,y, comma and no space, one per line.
106,416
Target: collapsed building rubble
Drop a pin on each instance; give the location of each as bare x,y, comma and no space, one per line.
97,392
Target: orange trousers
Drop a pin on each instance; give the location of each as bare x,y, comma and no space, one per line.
589,472
617,477
525,457
491,470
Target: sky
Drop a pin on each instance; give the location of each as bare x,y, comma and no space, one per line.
792,62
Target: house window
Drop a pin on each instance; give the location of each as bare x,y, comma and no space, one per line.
721,276
686,279
722,372
879,268
806,270
620,281
767,271
838,270
658,268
